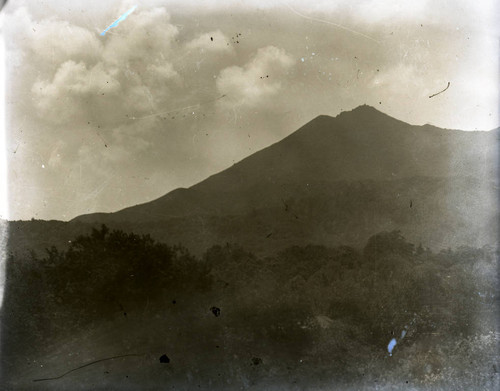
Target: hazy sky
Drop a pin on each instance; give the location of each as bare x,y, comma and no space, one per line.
182,89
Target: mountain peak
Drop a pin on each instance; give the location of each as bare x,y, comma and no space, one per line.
364,110
369,115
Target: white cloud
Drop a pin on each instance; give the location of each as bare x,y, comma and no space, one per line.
50,40
102,80
62,99
60,40
145,36
256,81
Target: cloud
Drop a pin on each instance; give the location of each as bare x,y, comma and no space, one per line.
60,40
214,41
62,99
146,36
162,72
102,80
50,40
258,80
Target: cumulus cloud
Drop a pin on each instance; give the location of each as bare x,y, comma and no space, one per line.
146,36
63,98
71,39
103,79
258,80
49,41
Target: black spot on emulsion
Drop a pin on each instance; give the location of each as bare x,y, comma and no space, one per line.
256,361
211,38
215,311
164,359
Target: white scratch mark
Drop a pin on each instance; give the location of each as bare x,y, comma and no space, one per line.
178,109
331,23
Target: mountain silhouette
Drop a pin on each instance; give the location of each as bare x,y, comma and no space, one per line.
363,144
336,180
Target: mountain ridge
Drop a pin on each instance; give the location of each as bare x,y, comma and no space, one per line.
361,144
335,180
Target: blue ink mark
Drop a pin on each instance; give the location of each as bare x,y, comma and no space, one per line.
403,333
123,17
391,346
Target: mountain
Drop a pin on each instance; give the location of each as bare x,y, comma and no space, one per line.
360,145
335,180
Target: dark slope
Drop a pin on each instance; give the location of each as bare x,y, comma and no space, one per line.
363,144
439,212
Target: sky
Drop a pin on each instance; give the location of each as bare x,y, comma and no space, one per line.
180,90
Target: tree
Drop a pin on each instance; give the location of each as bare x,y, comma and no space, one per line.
386,243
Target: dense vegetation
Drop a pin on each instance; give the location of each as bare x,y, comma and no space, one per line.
308,313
